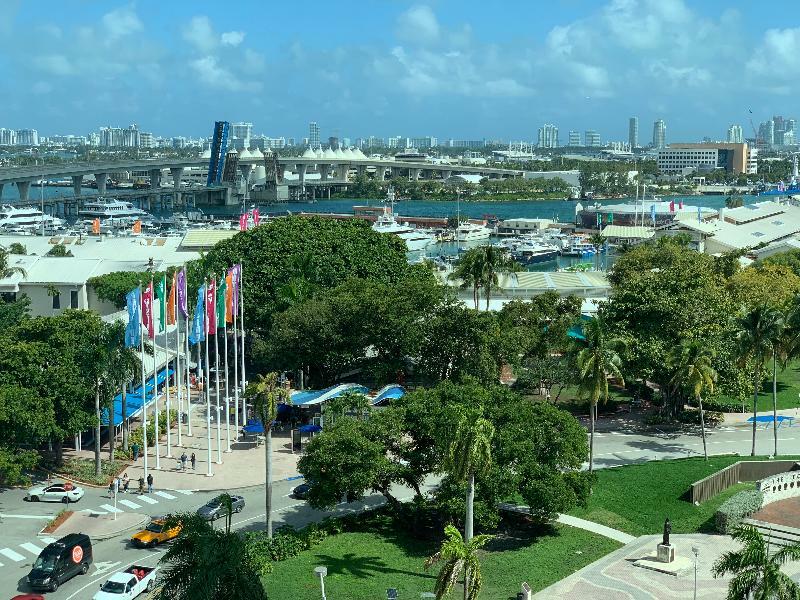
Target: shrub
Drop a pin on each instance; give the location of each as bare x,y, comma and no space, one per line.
736,508
136,436
692,416
723,405
82,469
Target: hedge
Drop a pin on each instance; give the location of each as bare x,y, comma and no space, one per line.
737,507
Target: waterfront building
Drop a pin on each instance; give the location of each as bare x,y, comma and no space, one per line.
423,143
752,161
591,139
548,136
313,135
735,134
467,143
8,137
27,137
574,138
639,213
659,134
146,139
131,137
683,158
788,138
633,132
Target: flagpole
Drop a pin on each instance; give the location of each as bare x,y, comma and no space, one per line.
166,367
178,378
188,375
155,381
216,369
235,310
209,473
225,352
241,320
144,387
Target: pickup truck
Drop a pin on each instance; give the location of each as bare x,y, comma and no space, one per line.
128,584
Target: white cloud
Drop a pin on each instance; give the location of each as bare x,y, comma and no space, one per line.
55,64
776,61
418,25
200,34
232,38
121,22
212,74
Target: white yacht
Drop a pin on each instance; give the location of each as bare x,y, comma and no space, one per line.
471,232
12,217
415,239
110,208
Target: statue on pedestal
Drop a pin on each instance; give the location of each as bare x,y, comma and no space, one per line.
667,531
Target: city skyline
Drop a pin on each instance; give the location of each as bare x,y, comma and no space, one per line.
423,69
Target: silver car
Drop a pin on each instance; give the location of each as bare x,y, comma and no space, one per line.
215,509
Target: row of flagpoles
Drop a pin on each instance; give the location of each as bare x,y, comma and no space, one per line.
246,218
219,303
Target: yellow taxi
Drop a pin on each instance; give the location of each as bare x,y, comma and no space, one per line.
157,532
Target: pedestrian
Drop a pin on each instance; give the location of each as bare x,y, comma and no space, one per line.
111,488
135,450
149,483
194,460
125,483
183,461
141,484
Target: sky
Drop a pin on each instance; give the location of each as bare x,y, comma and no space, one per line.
449,68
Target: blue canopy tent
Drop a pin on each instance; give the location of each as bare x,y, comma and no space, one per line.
769,420
133,401
309,429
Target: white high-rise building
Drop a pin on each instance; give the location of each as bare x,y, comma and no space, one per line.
313,134
591,139
574,138
8,137
27,137
659,134
146,139
548,136
735,134
633,132
243,132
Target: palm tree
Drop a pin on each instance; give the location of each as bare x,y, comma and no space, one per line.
265,394
760,331
757,571
5,270
205,564
597,240
470,455
459,556
492,261
598,361
692,363
469,269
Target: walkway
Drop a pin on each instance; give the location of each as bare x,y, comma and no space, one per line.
614,534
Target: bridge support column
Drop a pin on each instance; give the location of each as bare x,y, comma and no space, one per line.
101,179
361,170
446,175
246,169
342,172
324,171
77,183
380,173
301,172
177,175
394,172
23,187
413,174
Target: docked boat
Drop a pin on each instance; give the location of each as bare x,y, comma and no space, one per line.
578,246
534,253
111,208
415,239
26,218
472,232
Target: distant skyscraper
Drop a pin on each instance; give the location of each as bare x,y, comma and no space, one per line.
591,139
735,134
548,136
574,138
27,137
766,133
790,124
313,134
633,132
659,135
242,132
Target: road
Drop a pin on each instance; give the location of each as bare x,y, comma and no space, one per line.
20,544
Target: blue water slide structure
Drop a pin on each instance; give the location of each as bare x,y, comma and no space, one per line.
392,391
314,397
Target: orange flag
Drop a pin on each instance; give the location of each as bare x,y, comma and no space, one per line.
171,302
137,227
96,226
229,297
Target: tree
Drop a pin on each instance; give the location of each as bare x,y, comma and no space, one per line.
768,283
353,403
459,557
598,361
5,269
760,330
265,394
26,420
756,569
493,260
17,248
205,564
470,455
469,272
59,250
734,202
597,240
693,370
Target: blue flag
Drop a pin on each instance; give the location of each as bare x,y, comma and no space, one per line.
653,213
699,214
133,331
198,332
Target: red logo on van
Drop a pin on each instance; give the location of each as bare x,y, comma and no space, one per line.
77,554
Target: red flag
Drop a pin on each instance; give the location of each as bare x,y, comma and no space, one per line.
672,206
680,204
243,222
256,216
211,311
147,310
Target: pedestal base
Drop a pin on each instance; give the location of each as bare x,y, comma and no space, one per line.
665,553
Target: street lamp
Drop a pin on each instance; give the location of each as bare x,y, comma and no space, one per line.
696,552
322,572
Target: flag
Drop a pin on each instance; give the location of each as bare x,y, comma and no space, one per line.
610,218
137,226
229,306
243,222
161,294
237,279
147,310
653,213
672,206
699,214
599,219
680,204
211,294
198,334
222,292
183,304
171,300
96,226
256,216
133,331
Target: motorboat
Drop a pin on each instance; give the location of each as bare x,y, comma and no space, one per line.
111,208
534,253
472,232
577,245
415,239
26,219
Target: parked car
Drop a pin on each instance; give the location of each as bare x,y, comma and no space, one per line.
157,532
214,508
57,492
61,561
128,584
302,490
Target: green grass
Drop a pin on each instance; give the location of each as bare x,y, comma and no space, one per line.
788,389
637,498
363,565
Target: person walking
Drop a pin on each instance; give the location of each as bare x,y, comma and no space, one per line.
149,483
183,461
194,461
141,484
125,483
135,450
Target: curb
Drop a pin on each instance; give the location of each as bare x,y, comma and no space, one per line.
111,534
237,487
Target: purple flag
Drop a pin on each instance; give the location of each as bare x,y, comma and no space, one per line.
182,293
236,271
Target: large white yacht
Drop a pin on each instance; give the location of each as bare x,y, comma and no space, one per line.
471,232
12,217
111,208
415,239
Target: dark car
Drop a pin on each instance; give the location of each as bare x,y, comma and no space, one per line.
61,561
215,509
301,491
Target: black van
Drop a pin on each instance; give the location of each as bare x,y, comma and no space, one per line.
61,561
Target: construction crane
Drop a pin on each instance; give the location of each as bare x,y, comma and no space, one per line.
759,141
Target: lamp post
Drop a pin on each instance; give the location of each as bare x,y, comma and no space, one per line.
322,572
696,552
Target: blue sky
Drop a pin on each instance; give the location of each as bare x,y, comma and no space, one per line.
448,68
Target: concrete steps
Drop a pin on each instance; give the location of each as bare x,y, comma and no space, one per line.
777,535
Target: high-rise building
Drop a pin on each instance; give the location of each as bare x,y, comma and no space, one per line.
574,138
290,142
423,143
8,137
313,134
790,124
333,142
591,139
778,126
146,139
548,136
735,134
788,138
130,137
659,134
27,137
242,132
766,134
633,132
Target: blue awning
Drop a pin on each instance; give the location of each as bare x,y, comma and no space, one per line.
134,400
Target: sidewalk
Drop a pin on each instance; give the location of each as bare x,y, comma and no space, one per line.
100,527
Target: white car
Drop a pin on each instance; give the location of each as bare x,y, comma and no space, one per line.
57,492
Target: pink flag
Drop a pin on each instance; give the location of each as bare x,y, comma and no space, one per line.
256,217
211,310
672,206
243,222
680,204
147,310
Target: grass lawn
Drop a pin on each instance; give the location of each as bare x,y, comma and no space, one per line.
788,388
363,565
637,498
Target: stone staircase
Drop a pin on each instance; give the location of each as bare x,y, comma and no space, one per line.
777,535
